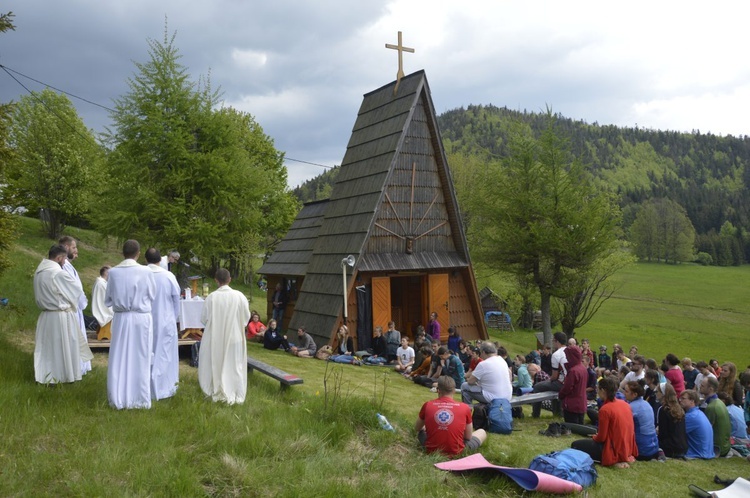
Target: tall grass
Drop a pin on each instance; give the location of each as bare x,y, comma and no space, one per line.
67,441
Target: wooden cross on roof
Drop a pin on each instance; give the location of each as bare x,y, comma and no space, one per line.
401,49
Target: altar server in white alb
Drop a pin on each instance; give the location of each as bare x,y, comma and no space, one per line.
222,363
102,313
86,356
165,370
130,292
56,350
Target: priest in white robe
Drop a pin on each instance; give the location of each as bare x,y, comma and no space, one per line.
164,311
56,349
102,313
86,356
222,364
130,292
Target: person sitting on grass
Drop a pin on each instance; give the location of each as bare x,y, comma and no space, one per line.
445,425
614,444
590,379
343,350
452,366
536,373
736,417
307,346
404,357
273,339
703,372
475,359
643,420
436,369
717,414
674,374
700,436
253,332
661,370
671,422
424,366
729,384
523,383
379,356
651,389
605,362
689,373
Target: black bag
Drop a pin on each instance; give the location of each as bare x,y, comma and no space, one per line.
194,350
479,418
91,323
424,380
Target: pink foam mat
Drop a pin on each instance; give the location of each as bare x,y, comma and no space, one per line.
528,479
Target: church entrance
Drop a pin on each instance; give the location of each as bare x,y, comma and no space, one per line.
408,300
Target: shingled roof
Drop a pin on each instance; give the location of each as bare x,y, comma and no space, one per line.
389,133
293,253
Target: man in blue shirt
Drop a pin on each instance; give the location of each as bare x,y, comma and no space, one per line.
700,435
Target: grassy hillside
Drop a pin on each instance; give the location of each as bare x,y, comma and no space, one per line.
689,310
317,439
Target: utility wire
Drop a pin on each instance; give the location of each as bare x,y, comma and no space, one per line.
6,69
9,70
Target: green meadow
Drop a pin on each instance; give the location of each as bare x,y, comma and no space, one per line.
321,438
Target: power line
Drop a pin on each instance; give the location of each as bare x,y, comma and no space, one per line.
6,69
9,70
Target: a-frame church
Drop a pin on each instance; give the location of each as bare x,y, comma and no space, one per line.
393,207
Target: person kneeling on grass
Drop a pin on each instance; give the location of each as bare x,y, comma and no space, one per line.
307,347
614,444
444,424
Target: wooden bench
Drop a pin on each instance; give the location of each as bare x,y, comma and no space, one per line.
531,398
284,378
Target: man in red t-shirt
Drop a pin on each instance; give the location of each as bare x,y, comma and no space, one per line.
445,424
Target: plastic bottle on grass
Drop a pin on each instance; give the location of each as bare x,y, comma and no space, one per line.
384,424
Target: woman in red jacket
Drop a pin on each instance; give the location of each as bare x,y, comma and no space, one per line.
614,444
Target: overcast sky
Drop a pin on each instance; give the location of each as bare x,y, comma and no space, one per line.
301,67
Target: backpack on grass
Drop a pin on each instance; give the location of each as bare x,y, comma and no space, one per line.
500,416
570,464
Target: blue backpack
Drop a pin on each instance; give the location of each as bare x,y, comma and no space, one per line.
500,416
571,465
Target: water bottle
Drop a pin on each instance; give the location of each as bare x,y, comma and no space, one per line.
384,424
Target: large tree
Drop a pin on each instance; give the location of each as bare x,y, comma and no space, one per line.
186,175
662,231
537,214
55,156
7,222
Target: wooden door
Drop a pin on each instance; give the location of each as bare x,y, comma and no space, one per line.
438,298
381,302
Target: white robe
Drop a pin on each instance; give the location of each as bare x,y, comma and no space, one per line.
56,350
164,312
130,291
222,362
86,354
102,313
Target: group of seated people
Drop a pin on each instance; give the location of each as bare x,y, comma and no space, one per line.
273,339
644,410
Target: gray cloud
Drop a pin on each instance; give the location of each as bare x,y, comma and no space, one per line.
301,68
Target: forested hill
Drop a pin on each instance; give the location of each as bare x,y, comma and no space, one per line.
707,174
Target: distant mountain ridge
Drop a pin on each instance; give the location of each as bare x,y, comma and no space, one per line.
706,174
